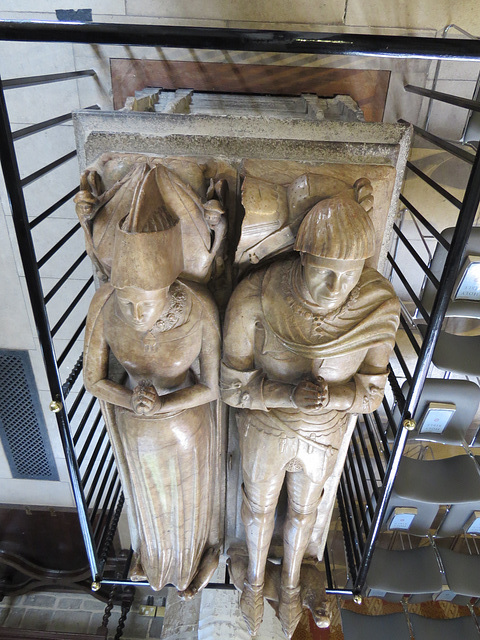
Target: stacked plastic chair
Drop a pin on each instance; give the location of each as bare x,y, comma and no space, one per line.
457,353
426,489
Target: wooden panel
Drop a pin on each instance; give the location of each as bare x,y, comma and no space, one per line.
368,88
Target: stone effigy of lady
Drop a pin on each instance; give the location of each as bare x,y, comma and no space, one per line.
306,347
164,334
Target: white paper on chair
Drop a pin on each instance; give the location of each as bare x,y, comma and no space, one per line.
472,525
436,417
446,595
402,518
467,286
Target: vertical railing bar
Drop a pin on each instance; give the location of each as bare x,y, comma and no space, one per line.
410,335
102,439
108,539
83,421
434,185
360,497
72,305
347,537
381,433
396,390
30,81
390,418
402,363
76,404
101,467
350,519
363,477
47,168
354,510
71,342
19,134
59,203
110,514
90,437
58,245
65,277
100,493
457,101
27,253
458,152
414,253
407,286
328,569
428,225
373,442
100,525
366,456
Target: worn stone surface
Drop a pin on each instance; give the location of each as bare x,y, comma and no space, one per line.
306,345
165,336
236,138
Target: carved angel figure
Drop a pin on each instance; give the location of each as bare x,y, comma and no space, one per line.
164,333
110,186
306,346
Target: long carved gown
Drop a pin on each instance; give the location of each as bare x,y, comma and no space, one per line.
167,461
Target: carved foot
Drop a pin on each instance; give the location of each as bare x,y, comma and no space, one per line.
289,609
208,565
251,604
320,616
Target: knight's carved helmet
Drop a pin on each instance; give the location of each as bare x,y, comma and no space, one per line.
148,241
339,228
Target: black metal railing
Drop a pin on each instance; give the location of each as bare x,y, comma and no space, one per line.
94,518
361,532
371,463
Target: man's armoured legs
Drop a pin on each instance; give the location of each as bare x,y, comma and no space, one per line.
303,499
258,516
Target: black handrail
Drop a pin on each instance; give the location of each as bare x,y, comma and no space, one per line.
241,39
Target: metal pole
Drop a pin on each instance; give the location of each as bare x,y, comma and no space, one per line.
11,174
241,39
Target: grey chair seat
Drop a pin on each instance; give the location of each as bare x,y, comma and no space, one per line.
456,308
411,571
462,572
459,354
358,627
455,629
455,519
427,484
452,480
465,395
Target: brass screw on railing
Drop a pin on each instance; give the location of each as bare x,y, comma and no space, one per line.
96,586
409,424
357,599
55,406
